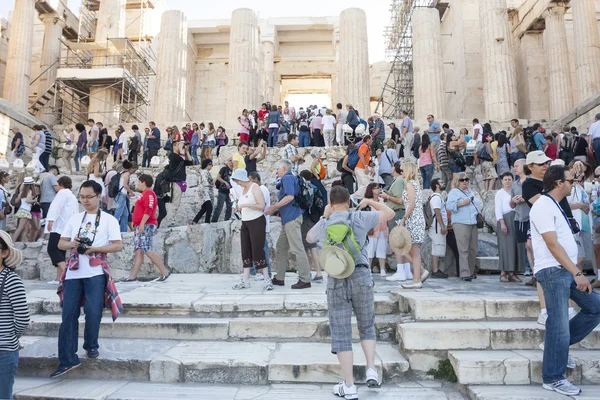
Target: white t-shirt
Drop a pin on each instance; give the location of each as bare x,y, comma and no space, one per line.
123,142
546,216
435,203
328,122
502,203
480,136
108,230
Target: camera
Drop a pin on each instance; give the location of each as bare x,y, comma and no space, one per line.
84,244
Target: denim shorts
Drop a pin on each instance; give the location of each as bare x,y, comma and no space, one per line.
144,240
210,143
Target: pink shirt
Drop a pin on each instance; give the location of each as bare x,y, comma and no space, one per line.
316,122
425,158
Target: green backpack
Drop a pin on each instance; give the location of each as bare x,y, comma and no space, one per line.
341,235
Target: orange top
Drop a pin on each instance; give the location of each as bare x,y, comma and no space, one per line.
365,151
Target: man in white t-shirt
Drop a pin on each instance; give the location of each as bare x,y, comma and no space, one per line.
555,254
90,236
439,228
477,131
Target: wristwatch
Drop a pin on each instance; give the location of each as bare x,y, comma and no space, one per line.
579,273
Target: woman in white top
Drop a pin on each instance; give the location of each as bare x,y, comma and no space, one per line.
211,141
328,128
69,148
505,230
96,169
252,204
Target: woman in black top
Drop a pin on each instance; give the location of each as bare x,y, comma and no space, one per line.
178,159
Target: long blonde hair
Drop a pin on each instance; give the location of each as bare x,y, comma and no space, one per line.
411,170
100,156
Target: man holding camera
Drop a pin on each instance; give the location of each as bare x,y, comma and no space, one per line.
178,159
90,236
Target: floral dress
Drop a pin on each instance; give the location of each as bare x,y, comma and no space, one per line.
207,193
502,163
415,223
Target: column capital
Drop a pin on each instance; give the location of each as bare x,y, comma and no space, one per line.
558,9
53,19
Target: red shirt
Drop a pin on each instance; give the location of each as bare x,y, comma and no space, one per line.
188,136
552,151
262,114
147,204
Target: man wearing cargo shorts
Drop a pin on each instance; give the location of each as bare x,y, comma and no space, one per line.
354,293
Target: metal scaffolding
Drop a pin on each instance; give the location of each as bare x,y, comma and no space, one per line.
397,93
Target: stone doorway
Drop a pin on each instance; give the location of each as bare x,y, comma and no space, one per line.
302,91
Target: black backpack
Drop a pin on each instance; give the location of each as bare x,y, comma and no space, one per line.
317,207
303,198
162,187
114,186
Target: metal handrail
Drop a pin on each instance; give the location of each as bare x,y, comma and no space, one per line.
46,70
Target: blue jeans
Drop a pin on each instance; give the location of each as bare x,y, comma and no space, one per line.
78,155
9,361
122,211
194,152
304,139
145,160
253,269
596,147
222,198
559,286
272,140
75,290
427,174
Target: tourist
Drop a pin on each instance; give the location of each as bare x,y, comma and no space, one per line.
347,172
179,159
378,236
456,160
36,231
328,128
316,133
254,156
14,314
210,142
207,192
123,151
26,197
394,200
378,132
84,281
224,188
273,123
443,159
555,252
252,205
153,140
144,149
68,149
433,131
136,144
551,149
290,238
341,116
581,146
353,121
439,228
263,112
17,145
123,208
303,130
290,153
93,136
594,132
5,207
175,135
48,188
108,203
255,178
414,221
416,142
579,201
96,169
318,172
505,230
221,139
477,132
38,144
253,122
62,208
427,160
386,163
310,217
465,207
504,151
524,250
538,138
567,145
487,163
239,158
517,144
194,144
354,291
361,171
407,133
105,140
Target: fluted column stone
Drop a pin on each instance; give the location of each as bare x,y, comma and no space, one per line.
18,62
171,78
53,27
499,73
587,48
112,20
427,56
353,77
557,62
242,90
269,71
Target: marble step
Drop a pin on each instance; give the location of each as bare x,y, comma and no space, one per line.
247,363
450,306
151,301
532,392
488,263
518,367
190,328
79,389
472,335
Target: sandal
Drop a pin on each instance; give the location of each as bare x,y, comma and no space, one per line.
503,278
514,278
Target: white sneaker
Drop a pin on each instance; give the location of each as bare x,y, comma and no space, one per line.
424,276
563,387
412,285
346,392
268,284
373,378
571,362
259,277
382,273
53,283
397,277
408,272
542,317
242,285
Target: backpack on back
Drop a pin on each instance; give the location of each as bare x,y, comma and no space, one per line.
429,215
353,159
114,186
341,235
162,187
317,207
483,154
303,125
531,146
304,197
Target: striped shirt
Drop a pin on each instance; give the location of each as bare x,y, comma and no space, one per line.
442,154
14,312
48,142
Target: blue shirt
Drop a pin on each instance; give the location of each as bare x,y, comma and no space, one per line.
154,143
539,140
434,126
379,124
289,187
466,215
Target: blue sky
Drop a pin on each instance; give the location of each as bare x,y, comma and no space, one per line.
377,13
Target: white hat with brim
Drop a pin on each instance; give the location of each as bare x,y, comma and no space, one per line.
240,174
537,157
14,257
336,262
400,240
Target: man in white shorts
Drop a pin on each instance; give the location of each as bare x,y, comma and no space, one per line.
439,228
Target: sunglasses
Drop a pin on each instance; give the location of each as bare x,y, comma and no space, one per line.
463,180
542,164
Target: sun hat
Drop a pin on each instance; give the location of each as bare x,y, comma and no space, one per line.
240,174
14,257
28,181
336,262
400,240
537,157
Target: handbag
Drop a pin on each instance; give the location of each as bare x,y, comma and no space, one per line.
69,147
7,209
479,217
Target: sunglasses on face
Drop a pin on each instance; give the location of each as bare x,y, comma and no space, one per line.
463,180
542,164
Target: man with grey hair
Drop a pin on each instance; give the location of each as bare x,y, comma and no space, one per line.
290,238
594,132
379,132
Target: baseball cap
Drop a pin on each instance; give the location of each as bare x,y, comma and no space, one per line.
537,157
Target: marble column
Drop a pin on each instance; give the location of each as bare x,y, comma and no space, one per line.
269,71
18,62
557,62
427,57
171,78
112,20
498,64
53,27
587,49
276,89
353,77
242,88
